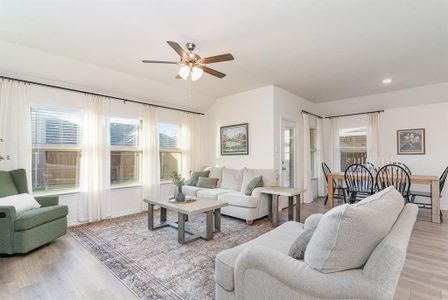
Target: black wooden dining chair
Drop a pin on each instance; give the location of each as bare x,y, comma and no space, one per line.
371,168
359,181
404,166
394,175
414,194
336,186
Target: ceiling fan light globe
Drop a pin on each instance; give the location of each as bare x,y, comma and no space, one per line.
184,72
196,73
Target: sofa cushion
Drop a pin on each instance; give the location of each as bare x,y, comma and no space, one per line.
239,199
215,172
269,177
191,190
347,234
38,216
212,193
279,239
231,179
194,177
299,245
207,182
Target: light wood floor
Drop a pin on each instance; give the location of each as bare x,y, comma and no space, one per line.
65,270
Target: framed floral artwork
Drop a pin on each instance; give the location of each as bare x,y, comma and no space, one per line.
411,141
235,139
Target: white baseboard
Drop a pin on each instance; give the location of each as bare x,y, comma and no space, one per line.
114,215
126,212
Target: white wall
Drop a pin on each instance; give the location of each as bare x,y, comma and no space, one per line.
264,109
254,107
431,116
123,200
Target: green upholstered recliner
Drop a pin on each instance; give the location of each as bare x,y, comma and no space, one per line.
25,231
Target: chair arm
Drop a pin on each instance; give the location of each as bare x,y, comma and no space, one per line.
48,200
7,219
261,271
7,214
256,192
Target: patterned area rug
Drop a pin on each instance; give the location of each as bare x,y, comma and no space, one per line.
152,264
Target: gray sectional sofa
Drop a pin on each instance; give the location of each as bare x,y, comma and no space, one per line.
341,263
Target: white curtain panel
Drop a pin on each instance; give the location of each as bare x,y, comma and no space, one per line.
15,126
331,143
321,190
327,142
95,161
191,143
373,147
306,150
150,145
336,162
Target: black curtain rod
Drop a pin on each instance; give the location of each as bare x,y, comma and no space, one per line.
355,114
96,94
308,113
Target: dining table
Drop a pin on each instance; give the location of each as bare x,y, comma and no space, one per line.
432,181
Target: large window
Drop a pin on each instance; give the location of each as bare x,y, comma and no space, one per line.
56,156
170,152
125,157
353,146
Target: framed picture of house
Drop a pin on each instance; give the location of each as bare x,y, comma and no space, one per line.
411,141
235,139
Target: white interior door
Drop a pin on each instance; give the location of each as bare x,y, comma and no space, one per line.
288,154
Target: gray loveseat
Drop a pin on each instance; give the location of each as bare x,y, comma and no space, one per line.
262,269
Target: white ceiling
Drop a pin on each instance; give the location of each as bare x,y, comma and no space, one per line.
321,49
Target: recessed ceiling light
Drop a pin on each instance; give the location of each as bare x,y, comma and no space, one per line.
387,81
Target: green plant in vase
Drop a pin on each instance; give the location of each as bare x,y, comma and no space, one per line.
179,182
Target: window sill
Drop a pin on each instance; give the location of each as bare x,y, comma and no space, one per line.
56,193
125,186
164,182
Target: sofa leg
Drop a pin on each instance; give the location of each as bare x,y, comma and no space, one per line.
249,222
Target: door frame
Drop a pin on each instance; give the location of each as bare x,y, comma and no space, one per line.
284,122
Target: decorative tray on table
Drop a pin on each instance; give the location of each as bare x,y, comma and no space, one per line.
188,199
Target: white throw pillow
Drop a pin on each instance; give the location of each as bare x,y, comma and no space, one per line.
347,234
231,179
21,202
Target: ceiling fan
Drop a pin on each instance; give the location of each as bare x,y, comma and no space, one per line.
192,65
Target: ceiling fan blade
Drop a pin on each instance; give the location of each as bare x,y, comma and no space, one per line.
178,49
212,71
215,59
159,62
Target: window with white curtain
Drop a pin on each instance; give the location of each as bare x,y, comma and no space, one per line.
56,148
314,153
170,150
126,154
352,146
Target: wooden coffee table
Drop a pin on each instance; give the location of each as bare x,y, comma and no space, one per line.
211,208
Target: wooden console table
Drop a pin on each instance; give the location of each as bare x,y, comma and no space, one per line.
291,193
